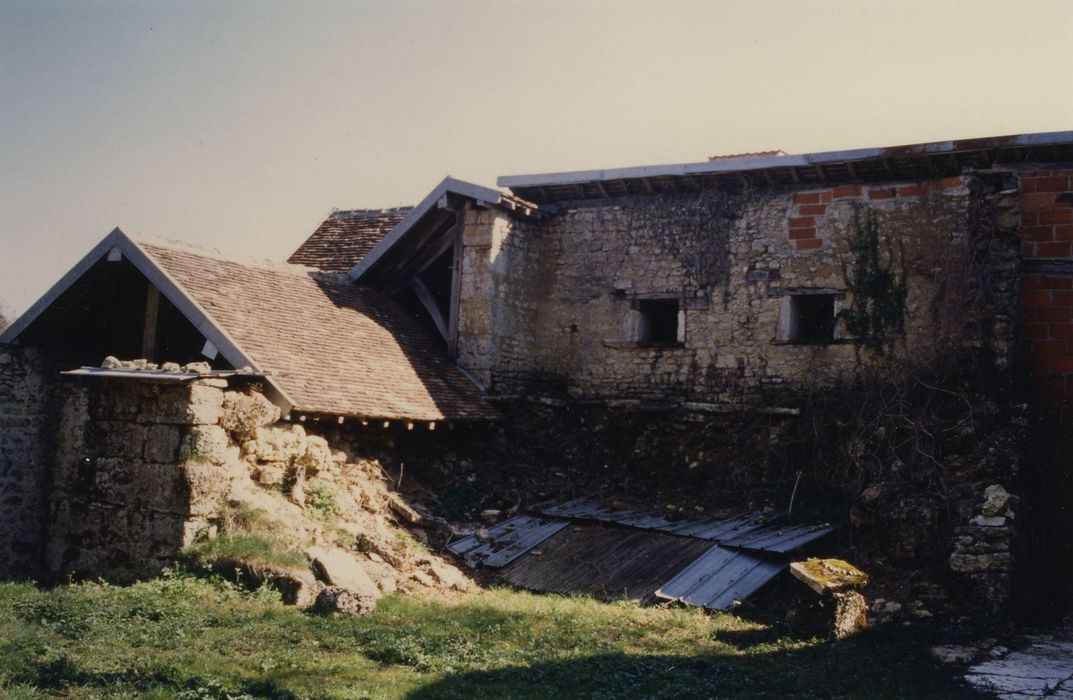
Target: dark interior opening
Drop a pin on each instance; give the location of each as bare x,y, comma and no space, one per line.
813,318
103,313
659,321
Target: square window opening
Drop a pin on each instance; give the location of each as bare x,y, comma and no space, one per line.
812,319
659,322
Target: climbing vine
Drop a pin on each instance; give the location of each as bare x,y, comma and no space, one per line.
876,284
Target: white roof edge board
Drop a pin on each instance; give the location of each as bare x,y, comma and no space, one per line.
12,332
761,162
447,185
172,290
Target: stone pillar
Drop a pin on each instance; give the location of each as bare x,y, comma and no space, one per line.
982,553
139,469
484,291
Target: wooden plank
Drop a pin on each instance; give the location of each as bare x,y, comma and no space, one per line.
428,300
456,283
152,308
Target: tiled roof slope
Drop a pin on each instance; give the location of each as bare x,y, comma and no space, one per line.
332,346
346,237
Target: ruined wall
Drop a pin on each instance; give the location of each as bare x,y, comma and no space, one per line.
138,472
554,305
26,389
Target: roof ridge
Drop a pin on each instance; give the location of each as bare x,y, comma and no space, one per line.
216,254
370,213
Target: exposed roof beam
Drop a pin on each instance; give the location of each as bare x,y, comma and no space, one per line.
428,300
197,315
447,185
751,163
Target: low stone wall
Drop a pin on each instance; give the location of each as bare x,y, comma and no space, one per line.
26,452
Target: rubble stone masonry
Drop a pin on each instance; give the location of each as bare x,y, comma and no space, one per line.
135,477
26,453
555,306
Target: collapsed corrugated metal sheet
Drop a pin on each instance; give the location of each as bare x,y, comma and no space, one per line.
605,561
617,552
507,541
719,578
778,538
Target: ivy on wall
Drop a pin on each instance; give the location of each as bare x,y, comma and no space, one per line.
877,286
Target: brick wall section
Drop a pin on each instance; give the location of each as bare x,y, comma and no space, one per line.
1046,297
26,394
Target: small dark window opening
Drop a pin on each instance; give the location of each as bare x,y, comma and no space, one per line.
812,319
659,321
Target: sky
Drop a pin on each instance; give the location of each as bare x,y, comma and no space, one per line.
240,124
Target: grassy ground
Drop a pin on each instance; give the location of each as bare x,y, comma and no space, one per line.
183,637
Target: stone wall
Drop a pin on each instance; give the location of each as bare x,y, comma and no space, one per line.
137,474
554,306
26,452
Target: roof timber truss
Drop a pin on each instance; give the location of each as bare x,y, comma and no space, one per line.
117,245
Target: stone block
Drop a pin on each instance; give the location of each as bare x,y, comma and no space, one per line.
192,404
241,414
163,488
161,443
283,444
341,600
208,486
317,457
206,444
335,567
115,439
980,563
996,499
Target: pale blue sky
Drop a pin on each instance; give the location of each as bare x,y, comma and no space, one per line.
240,124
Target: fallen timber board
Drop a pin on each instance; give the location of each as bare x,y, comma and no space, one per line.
719,578
509,540
604,561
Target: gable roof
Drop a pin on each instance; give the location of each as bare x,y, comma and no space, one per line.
345,237
327,345
437,198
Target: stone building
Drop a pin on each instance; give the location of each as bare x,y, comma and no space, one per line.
705,288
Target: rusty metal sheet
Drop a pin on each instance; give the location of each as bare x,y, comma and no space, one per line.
719,578
508,540
603,560
779,538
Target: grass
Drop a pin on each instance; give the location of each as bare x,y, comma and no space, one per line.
199,639
246,535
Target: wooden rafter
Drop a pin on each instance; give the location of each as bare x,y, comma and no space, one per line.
456,287
428,300
152,309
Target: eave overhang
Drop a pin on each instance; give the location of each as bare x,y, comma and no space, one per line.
912,162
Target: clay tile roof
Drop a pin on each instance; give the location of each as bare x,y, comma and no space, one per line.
331,346
345,237
754,154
